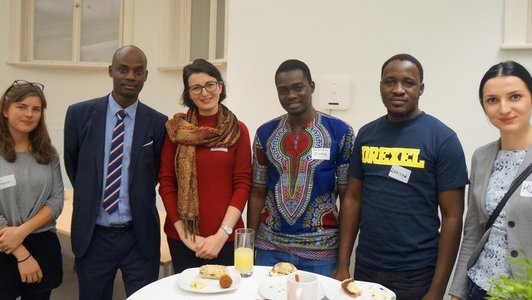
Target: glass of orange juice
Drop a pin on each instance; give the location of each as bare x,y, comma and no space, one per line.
244,243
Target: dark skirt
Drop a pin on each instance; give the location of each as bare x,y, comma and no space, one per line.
184,258
46,250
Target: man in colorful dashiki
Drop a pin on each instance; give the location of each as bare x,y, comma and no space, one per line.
300,163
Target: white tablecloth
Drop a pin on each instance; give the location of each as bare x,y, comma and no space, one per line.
167,288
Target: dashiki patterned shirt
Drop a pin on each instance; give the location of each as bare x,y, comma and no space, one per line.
302,175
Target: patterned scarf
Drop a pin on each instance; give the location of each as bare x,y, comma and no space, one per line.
184,131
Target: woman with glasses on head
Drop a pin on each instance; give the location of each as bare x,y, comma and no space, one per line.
205,173
31,196
505,96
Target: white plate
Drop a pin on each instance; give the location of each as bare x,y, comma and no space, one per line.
274,288
185,278
372,291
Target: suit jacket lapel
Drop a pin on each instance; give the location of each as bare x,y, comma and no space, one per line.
142,123
487,162
97,138
526,162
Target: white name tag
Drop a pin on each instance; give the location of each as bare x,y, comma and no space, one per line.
7,181
321,153
223,149
400,173
526,189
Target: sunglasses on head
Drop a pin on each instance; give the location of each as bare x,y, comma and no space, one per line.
21,83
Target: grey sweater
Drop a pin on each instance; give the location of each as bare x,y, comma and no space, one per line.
26,186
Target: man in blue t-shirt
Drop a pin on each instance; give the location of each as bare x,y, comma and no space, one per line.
405,166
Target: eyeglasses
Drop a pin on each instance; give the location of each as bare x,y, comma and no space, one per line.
20,83
210,86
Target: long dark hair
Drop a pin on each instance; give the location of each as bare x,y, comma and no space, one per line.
200,66
507,68
40,142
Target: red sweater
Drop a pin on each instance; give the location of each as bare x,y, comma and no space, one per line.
224,178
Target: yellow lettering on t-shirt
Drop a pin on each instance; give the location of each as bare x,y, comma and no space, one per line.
405,157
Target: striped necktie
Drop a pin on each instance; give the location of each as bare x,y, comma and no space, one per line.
114,169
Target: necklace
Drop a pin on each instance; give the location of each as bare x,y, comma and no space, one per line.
296,140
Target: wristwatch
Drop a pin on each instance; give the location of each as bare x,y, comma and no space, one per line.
228,229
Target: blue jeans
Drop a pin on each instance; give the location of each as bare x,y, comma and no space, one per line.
271,257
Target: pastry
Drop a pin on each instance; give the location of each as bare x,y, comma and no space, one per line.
212,271
282,268
350,288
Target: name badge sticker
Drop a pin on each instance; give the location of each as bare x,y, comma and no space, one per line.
7,181
222,149
321,153
400,173
526,189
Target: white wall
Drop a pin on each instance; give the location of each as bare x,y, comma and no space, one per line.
456,41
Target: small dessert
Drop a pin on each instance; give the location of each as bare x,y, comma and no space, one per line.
213,271
350,288
197,285
225,281
379,292
282,268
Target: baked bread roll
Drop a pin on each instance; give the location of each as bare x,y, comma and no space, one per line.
282,268
213,271
350,288
225,281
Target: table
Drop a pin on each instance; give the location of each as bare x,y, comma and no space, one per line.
167,288
65,220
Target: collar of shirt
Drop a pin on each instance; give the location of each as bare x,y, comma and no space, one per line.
113,107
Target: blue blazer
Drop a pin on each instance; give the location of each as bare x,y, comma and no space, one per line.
84,158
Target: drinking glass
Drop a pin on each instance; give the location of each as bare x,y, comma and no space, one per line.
244,243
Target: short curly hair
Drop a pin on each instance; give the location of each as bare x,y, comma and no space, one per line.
294,64
406,57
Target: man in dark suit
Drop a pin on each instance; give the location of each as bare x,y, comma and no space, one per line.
121,230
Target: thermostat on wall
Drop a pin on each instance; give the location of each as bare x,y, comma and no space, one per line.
334,91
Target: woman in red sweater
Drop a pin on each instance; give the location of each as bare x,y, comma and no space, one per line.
205,173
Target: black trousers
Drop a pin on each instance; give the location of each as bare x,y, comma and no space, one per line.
407,285
109,252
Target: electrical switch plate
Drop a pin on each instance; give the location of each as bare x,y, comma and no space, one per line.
334,91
